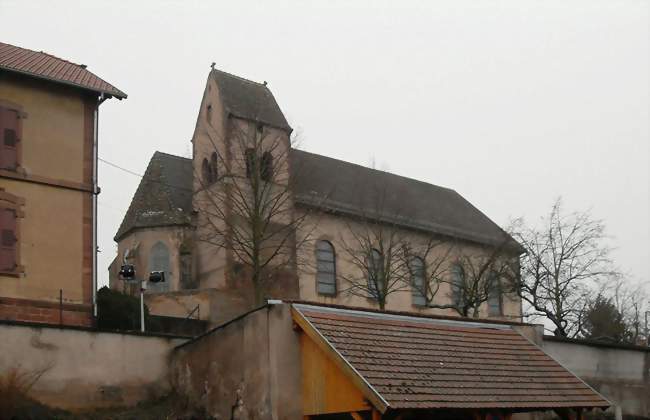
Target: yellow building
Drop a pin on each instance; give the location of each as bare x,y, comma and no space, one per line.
48,186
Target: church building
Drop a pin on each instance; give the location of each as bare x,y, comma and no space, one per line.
328,231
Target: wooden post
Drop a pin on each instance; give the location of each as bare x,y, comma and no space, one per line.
356,416
376,415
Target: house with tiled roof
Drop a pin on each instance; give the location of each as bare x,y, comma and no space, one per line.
49,110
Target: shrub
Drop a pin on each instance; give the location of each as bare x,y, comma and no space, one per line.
118,311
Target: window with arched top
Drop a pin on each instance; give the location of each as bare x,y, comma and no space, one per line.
494,301
325,268
457,284
159,261
418,289
375,274
214,166
251,162
206,172
266,166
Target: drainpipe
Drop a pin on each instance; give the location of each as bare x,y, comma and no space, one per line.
102,98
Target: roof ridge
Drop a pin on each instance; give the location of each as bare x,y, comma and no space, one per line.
406,313
376,170
158,152
243,79
46,66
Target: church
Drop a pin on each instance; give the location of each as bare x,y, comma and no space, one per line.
338,232
333,290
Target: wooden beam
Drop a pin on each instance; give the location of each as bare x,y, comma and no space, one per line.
376,415
356,416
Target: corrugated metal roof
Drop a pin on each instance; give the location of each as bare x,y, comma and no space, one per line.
415,362
46,66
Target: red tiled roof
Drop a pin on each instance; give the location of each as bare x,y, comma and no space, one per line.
45,66
414,362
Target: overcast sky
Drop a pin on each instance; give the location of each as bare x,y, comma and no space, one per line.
511,103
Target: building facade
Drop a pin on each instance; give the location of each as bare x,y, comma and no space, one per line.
328,216
48,186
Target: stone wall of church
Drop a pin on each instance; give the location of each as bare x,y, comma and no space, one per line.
338,230
177,241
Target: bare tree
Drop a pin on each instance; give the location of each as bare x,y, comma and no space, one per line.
564,257
630,299
473,276
246,204
374,243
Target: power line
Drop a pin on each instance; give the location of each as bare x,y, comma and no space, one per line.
128,171
120,168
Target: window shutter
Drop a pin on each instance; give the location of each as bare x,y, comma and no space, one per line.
10,132
8,240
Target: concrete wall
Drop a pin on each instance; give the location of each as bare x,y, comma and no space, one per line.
54,180
215,306
246,369
620,373
83,369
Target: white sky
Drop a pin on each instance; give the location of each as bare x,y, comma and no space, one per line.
511,103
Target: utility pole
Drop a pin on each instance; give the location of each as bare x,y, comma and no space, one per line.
143,286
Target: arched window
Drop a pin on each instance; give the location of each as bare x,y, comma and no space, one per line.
495,307
206,172
251,161
266,170
457,284
214,166
375,274
159,261
325,268
418,289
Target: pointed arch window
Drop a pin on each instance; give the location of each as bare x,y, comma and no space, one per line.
266,166
325,268
251,162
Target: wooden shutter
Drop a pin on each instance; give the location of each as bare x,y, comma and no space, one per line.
10,133
8,240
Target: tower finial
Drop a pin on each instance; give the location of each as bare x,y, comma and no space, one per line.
212,65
